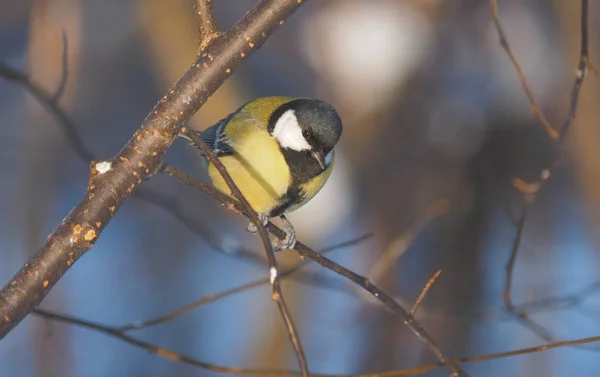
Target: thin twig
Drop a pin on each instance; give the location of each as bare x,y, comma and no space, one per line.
520,312
529,190
47,100
424,291
566,301
277,295
307,252
383,297
205,18
172,206
523,351
504,43
151,348
176,357
580,73
215,297
401,243
192,306
510,266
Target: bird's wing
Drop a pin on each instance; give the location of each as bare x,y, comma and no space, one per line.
214,137
227,134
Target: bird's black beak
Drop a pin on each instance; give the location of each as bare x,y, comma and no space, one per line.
320,157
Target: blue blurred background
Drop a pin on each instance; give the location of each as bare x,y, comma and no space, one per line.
434,115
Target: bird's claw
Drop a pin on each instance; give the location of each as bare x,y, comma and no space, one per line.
289,242
251,228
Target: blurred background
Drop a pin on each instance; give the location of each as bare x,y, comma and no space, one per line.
436,126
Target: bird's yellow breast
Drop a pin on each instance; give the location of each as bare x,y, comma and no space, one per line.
258,168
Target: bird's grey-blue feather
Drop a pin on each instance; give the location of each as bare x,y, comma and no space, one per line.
211,135
215,138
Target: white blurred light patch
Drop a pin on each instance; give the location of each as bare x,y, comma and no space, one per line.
366,49
330,208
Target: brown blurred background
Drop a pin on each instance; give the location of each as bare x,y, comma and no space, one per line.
432,111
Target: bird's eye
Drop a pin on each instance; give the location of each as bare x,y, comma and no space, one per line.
306,133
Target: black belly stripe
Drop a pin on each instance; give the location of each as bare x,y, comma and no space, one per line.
303,168
294,195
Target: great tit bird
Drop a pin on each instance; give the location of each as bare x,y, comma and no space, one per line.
278,151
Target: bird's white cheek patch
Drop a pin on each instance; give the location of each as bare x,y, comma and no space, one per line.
288,132
328,158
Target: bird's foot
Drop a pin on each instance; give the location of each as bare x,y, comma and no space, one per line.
264,219
289,242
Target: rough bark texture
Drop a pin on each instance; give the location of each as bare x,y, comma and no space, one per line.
113,182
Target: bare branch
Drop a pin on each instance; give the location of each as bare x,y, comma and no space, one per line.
520,225
151,348
50,103
277,295
173,207
383,297
504,43
528,190
215,297
205,17
582,68
399,245
522,315
112,182
75,139
431,281
307,252
523,351
173,356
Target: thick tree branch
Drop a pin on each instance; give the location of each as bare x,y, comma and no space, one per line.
205,17
112,182
169,204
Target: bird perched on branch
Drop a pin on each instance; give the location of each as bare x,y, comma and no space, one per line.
278,151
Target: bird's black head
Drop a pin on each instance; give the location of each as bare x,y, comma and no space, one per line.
321,125
307,126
